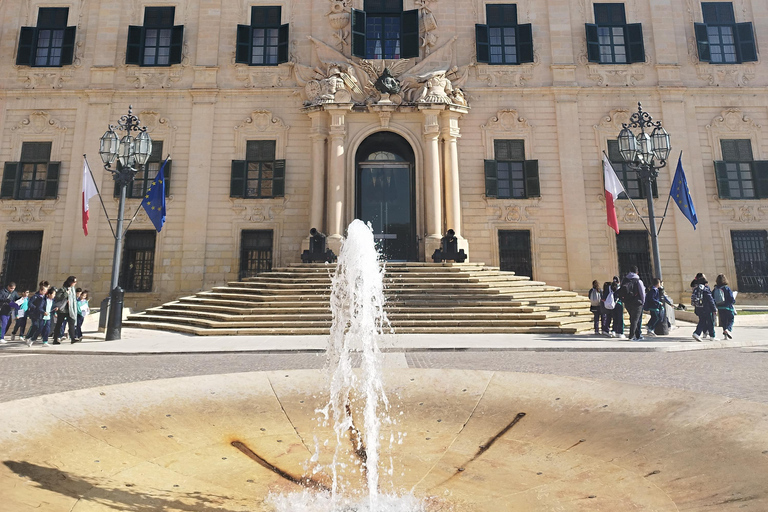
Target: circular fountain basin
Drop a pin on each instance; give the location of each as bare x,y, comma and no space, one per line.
475,441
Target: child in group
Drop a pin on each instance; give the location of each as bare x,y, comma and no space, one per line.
47,315
594,300
704,307
653,305
21,316
724,300
83,309
35,311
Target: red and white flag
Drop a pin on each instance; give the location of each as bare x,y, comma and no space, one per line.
613,188
89,190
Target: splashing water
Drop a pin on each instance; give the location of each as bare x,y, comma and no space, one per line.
357,304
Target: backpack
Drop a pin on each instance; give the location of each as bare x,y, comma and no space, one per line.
719,296
594,297
610,301
697,297
629,292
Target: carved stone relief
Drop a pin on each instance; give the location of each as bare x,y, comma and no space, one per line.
428,25
733,123
39,126
339,18
610,126
507,124
507,76
261,124
515,212
745,214
262,77
26,212
256,213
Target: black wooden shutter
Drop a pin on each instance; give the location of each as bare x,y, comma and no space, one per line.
167,176
409,35
635,46
524,43
68,46
278,182
237,183
723,190
593,43
282,44
531,170
491,178
135,49
702,41
482,43
177,44
52,180
243,45
10,171
745,37
760,173
27,41
359,38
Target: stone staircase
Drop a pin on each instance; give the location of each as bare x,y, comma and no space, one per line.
430,298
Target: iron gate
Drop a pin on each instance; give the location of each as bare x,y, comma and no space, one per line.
21,262
255,252
632,248
515,252
750,256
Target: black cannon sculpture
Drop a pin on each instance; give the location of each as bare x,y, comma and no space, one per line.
317,253
449,249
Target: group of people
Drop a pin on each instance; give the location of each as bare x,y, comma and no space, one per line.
609,303
49,311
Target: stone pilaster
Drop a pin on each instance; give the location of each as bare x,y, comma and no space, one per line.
432,189
450,135
336,174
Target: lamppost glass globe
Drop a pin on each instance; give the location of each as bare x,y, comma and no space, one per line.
627,145
126,154
661,143
143,148
108,145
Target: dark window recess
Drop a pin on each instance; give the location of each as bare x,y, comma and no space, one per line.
156,43
750,256
515,252
147,173
21,261
629,178
138,268
255,252
738,175
510,175
611,40
720,40
502,41
384,31
632,247
265,41
34,177
260,175
51,43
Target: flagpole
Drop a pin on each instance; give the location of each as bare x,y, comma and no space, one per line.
98,193
679,158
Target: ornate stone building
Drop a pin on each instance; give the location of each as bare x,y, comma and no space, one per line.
416,115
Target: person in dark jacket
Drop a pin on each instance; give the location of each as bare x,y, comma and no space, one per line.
706,310
618,312
65,304
634,303
8,298
653,306
35,313
725,310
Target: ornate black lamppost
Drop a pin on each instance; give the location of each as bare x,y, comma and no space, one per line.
646,154
130,151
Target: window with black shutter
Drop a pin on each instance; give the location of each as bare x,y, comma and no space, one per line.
382,30
265,41
720,40
138,266
34,177
510,175
739,176
611,40
49,44
501,41
147,173
260,175
158,42
628,176
255,252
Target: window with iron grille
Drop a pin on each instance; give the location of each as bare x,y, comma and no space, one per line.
51,43
739,176
515,252
382,30
158,42
34,177
147,173
255,252
632,249
265,41
611,40
501,41
510,175
750,255
21,260
138,267
628,176
260,175
720,40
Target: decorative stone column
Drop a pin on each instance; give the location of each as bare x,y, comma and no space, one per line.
450,134
336,174
319,135
432,190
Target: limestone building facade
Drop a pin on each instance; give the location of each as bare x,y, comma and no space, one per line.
491,120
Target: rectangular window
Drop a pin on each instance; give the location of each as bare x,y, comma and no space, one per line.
21,260
632,249
515,252
260,175
51,43
502,41
510,175
382,30
628,176
739,176
611,40
158,42
265,41
138,267
720,40
34,177
147,173
750,255
255,252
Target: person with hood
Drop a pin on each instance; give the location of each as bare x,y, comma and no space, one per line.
632,295
704,307
36,312
724,300
65,304
8,298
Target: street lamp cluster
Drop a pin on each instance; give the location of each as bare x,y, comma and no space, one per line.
130,152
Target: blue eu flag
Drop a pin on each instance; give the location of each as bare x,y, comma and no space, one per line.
681,196
154,199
